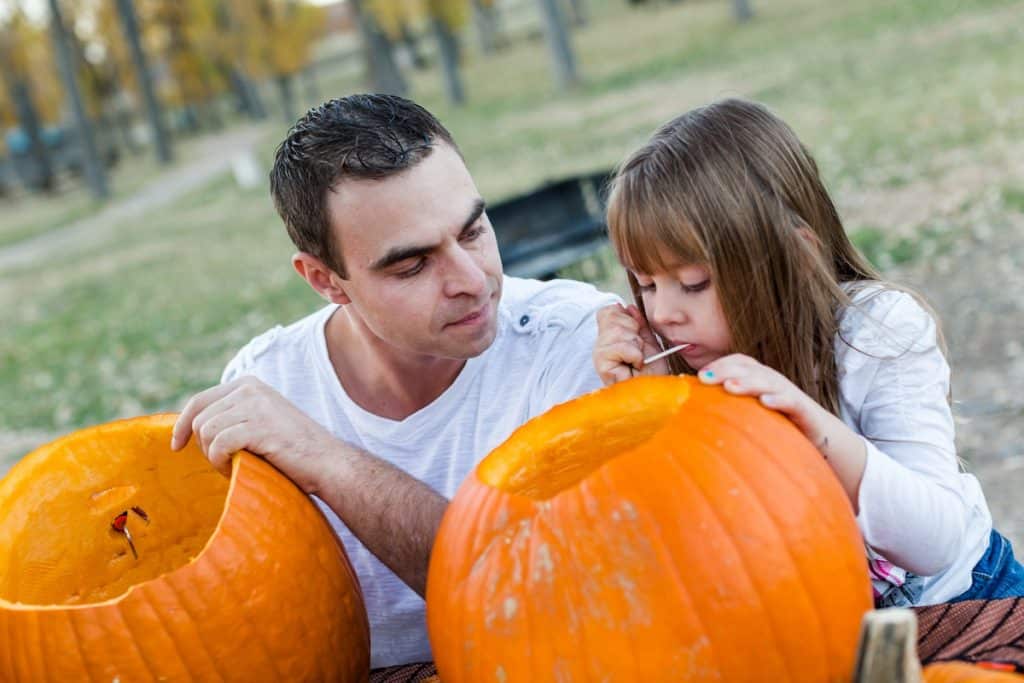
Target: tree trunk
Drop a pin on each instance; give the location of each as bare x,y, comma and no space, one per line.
130,24
485,17
382,72
312,87
742,10
287,92
563,60
413,48
40,176
448,50
95,173
577,13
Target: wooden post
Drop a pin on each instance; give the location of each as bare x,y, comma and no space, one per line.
887,652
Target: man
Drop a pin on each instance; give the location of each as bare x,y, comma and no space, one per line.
426,358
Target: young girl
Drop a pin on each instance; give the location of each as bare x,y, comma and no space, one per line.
735,249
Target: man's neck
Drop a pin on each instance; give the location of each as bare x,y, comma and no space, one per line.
379,378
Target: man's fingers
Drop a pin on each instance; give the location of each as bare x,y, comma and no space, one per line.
226,444
218,418
196,405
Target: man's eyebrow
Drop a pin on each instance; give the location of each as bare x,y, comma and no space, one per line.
478,209
398,254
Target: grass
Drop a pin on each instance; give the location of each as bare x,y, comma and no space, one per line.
891,97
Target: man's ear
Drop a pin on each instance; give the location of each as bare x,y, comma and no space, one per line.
320,277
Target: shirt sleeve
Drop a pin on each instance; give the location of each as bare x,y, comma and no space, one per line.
913,508
570,330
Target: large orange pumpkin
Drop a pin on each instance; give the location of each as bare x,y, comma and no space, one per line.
656,530
239,579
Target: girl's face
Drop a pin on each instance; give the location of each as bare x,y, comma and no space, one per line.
683,308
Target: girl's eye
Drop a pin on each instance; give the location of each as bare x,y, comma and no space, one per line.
694,288
645,287
409,272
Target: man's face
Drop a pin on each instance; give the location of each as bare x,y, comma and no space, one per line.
424,274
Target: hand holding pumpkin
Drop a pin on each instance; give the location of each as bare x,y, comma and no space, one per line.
624,339
248,414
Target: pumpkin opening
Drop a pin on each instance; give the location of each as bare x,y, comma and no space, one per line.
59,506
548,456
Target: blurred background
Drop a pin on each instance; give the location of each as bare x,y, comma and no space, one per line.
139,247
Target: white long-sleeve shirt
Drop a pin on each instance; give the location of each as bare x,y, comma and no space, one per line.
917,509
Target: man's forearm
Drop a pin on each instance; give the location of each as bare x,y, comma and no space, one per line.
392,513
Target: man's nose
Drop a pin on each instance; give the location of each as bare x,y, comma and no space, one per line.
465,275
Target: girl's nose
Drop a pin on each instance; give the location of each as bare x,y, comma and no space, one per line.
666,309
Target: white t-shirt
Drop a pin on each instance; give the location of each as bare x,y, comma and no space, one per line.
917,509
541,356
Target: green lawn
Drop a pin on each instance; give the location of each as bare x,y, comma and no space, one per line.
889,96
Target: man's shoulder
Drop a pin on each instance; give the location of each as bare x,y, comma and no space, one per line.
533,305
280,345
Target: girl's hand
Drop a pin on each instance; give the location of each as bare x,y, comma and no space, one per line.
742,375
623,341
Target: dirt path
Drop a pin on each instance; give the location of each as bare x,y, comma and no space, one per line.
220,153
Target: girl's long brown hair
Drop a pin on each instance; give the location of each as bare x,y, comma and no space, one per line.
730,185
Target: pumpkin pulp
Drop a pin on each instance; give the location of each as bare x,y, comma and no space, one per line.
576,438
57,542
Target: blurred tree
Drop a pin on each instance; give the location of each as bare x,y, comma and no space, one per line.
95,172
485,18
13,70
227,57
274,39
742,10
143,76
563,59
577,13
445,17
382,71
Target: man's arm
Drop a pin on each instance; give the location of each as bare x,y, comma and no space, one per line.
394,514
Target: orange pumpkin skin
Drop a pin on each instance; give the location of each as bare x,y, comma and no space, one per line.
269,595
656,530
962,672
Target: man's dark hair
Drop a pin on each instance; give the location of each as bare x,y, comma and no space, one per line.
366,137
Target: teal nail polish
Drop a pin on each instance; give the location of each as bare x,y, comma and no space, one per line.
708,374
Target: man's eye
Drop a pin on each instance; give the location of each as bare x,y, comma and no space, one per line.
409,272
473,233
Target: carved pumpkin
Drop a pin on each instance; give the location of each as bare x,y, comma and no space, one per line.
962,672
656,530
239,579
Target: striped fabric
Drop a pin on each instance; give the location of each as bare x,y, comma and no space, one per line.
407,673
973,631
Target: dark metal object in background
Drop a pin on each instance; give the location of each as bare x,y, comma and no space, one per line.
552,227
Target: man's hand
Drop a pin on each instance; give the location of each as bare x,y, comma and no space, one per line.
248,414
623,341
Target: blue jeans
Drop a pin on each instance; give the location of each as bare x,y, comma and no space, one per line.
997,575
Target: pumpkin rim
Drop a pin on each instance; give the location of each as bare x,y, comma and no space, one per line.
497,469
38,456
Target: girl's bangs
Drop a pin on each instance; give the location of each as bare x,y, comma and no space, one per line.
649,230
